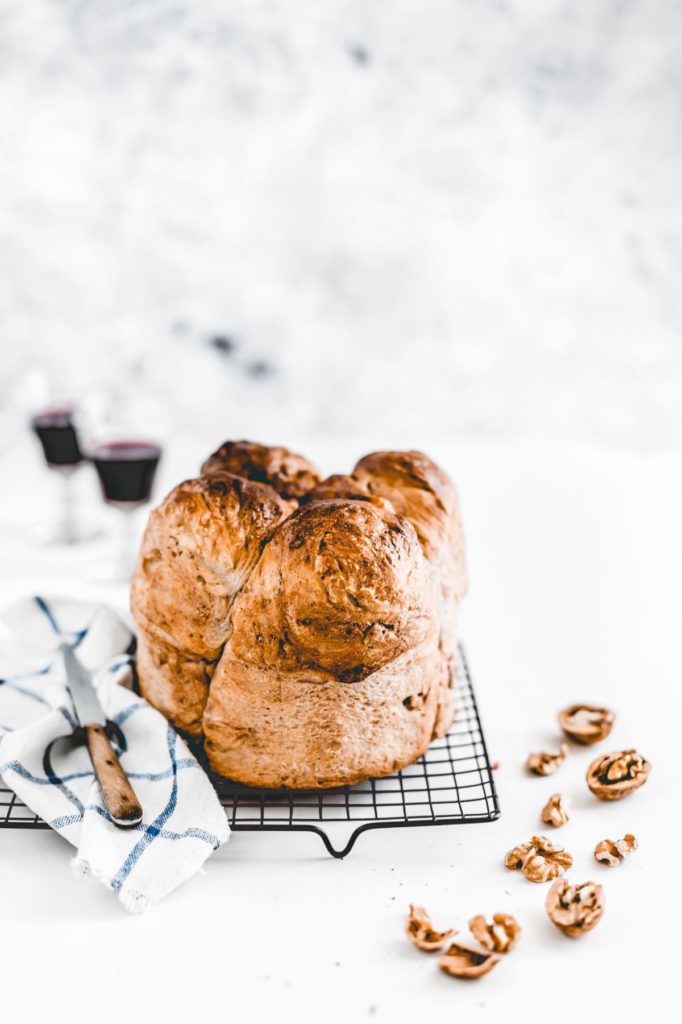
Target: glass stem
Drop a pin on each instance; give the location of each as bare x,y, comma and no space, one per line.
66,527
125,550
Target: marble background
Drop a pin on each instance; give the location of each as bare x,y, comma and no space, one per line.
390,218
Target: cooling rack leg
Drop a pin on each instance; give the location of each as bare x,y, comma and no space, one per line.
340,854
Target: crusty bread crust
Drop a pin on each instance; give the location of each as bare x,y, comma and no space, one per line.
289,474
340,486
313,644
276,731
175,681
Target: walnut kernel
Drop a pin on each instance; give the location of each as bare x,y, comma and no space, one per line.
586,723
464,962
421,932
539,860
613,776
498,937
543,763
575,909
613,853
516,858
555,811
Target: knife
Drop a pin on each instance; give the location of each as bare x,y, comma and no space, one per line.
118,795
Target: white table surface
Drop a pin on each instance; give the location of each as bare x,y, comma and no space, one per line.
575,562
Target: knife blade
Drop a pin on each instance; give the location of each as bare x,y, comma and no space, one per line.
85,700
117,793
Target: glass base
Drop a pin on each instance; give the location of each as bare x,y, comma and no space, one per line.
60,535
113,571
120,563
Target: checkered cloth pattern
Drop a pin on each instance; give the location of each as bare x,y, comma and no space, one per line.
183,820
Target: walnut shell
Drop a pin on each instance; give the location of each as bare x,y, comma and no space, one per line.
464,962
613,776
420,931
575,909
544,763
498,937
586,723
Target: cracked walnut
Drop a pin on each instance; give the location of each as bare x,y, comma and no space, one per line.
539,860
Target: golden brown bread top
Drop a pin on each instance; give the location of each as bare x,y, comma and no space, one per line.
340,486
416,487
419,490
412,485
289,474
199,548
340,591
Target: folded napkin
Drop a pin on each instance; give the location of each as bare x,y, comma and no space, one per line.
183,819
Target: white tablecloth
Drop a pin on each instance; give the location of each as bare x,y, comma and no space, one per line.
575,562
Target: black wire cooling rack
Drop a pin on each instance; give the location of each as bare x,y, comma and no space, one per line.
451,784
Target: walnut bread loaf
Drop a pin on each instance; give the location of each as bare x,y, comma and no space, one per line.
304,628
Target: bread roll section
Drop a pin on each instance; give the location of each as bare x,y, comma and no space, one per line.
335,630
200,547
290,475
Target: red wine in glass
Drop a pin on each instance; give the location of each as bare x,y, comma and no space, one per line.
56,431
57,435
126,471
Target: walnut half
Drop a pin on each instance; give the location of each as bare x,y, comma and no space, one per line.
613,776
575,909
586,724
539,860
498,937
613,853
543,763
555,811
421,932
464,962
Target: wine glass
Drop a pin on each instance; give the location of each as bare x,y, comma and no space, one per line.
126,469
55,428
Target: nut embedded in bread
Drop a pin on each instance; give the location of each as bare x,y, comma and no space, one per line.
312,646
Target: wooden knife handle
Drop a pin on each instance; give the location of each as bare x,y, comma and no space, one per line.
117,793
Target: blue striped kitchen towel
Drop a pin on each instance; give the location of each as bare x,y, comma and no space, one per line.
183,819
